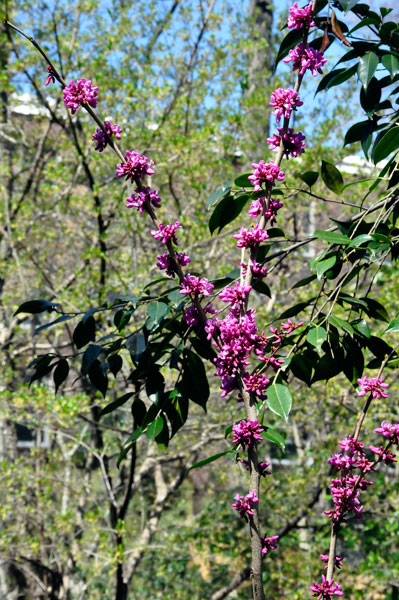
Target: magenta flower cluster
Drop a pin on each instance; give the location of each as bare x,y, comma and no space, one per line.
251,238
326,589
79,94
305,57
100,137
244,504
246,432
166,232
293,143
300,17
284,102
135,166
142,198
269,543
265,173
375,386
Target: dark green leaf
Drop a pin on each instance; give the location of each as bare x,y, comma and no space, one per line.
331,177
309,177
336,77
34,307
115,404
376,310
51,323
331,237
136,344
387,144
215,196
324,265
291,40
60,373
115,363
41,372
98,377
362,327
367,67
226,211
294,310
262,288
154,384
156,311
393,326
122,318
206,461
139,411
91,353
84,332
316,336
301,368
243,181
391,63
355,133
279,400
304,281
194,380
341,324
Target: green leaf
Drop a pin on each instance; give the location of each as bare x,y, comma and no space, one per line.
156,311
387,144
274,436
139,411
331,177
206,461
355,133
91,353
154,384
98,377
51,323
194,380
84,332
316,336
115,404
363,328
360,239
226,211
243,181
122,318
291,40
215,196
391,63
304,281
347,5
331,237
376,310
136,344
324,265
155,428
336,77
341,324
35,307
301,368
309,177
294,310
60,373
262,288
367,67
279,400
393,326
115,363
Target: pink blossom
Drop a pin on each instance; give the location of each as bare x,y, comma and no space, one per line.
306,57
326,589
251,238
375,386
300,17
294,143
389,431
256,384
269,211
246,432
141,197
100,138
166,262
193,285
265,172
80,93
135,166
338,561
235,295
192,317
166,232
351,444
385,455
50,77
244,504
269,543
284,102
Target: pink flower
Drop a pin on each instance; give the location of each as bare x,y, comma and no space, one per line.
165,262
294,143
265,172
166,232
283,102
306,57
140,197
269,543
50,77
80,93
191,315
193,285
385,455
256,384
326,589
251,238
100,138
300,17
375,386
338,561
135,166
246,432
389,431
244,504
235,295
